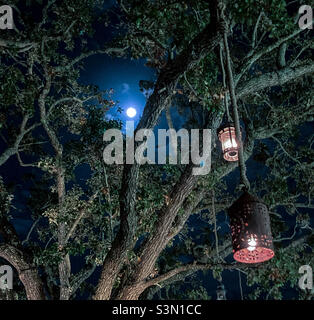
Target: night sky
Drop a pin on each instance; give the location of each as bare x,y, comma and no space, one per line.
123,76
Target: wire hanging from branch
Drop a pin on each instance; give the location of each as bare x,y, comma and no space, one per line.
243,178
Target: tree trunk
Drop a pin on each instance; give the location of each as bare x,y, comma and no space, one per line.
132,292
65,265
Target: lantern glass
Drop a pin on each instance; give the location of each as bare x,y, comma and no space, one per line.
229,144
250,228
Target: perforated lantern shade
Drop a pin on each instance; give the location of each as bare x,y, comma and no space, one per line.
252,240
229,143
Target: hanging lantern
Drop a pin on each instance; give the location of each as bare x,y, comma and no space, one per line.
252,240
227,136
221,292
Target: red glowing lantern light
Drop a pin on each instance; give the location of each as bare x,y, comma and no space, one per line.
252,240
229,143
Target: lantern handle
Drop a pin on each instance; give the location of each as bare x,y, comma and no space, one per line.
243,177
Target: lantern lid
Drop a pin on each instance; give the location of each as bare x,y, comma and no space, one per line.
245,198
224,125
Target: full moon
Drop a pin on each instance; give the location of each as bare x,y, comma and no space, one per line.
131,112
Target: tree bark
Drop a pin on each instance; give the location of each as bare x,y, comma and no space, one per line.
199,47
27,273
275,78
64,266
156,243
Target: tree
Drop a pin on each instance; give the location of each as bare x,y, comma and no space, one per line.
114,219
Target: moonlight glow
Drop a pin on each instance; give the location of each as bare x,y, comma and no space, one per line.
131,112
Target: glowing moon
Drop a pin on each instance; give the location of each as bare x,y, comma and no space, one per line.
131,112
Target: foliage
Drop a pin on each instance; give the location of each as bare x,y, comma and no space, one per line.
55,124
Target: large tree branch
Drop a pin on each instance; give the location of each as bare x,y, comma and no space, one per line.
27,273
14,149
198,48
43,115
224,250
80,277
180,220
8,232
254,56
192,268
275,78
13,251
117,51
64,265
20,46
78,219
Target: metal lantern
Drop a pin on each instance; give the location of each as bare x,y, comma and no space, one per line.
252,240
227,136
221,292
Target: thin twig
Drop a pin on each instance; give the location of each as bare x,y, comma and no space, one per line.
30,231
191,88
82,212
23,164
256,28
285,151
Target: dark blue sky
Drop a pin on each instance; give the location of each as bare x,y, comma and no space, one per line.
123,75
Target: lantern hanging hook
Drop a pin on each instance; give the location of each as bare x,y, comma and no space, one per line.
243,177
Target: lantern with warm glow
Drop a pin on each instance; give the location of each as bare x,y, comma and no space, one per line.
227,136
250,229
